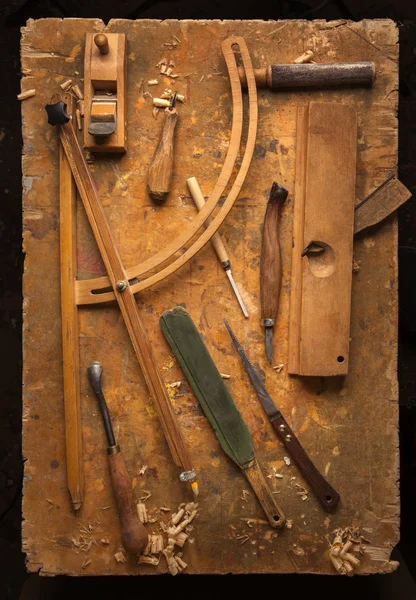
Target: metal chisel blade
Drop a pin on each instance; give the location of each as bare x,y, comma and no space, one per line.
268,404
236,292
269,343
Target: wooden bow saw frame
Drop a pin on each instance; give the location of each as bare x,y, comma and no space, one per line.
124,282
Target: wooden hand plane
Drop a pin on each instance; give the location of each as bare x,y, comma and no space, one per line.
105,92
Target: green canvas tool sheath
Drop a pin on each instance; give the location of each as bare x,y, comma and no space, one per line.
217,402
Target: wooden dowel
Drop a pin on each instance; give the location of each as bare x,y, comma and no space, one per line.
101,41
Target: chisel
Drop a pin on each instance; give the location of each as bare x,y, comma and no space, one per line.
217,404
271,265
160,170
325,493
216,241
133,534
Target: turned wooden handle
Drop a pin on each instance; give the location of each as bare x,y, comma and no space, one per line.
273,512
160,171
312,75
325,493
271,259
200,202
133,534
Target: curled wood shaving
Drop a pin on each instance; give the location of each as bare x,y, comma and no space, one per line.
306,57
345,543
142,512
120,557
287,460
86,562
66,85
278,368
105,541
149,560
26,95
143,470
225,375
153,82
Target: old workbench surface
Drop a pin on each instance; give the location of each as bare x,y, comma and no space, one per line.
349,425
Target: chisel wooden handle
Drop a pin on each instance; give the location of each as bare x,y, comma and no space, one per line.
325,493
312,75
273,512
271,260
200,202
133,534
160,171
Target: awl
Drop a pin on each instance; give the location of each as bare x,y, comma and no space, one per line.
325,493
271,264
216,241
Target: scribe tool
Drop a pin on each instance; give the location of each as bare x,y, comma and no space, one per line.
216,241
217,404
133,534
324,492
271,265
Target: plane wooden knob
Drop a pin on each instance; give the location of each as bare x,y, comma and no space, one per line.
101,41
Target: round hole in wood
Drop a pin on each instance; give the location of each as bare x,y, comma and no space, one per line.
340,359
321,259
328,499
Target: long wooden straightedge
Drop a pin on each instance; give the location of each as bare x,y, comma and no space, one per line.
319,325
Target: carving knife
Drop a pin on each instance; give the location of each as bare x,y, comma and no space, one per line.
324,492
217,404
271,265
216,241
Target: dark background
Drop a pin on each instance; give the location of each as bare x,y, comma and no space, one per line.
14,581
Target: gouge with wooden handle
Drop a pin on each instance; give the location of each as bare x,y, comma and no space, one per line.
133,534
271,265
161,167
216,241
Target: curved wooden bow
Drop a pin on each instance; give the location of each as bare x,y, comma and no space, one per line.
92,291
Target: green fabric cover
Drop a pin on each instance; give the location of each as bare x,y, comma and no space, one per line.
207,384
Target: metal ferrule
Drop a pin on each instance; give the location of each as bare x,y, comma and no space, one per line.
187,475
113,449
268,322
226,264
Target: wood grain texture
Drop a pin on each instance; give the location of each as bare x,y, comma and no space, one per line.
133,534
271,258
321,301
70,329
330,417
104,72
264,495
161,167
381,203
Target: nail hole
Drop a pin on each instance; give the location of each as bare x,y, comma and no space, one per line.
328,499
340,359
276,518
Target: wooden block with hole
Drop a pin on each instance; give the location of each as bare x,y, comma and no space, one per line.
105,92
323,229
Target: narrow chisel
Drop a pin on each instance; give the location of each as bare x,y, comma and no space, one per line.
271,265
216,241
325,493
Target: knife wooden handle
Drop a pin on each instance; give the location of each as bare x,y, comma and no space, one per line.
325,493
160,170
273,512
133,533
271,260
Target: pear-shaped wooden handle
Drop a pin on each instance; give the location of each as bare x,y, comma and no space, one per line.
160,171
273,511
133,534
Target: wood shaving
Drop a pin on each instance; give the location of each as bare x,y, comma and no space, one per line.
142,512
120,557
153,82
155,113
161,102
225,375
66,85
78,118
146,496
81,107
164,509
345,543
244,496
143,470
306,57
289,524
287,460
356,266
77,91
105,541
26,95
278,368
86,562
252,521
149,560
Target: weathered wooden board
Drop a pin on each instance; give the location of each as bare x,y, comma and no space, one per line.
348,425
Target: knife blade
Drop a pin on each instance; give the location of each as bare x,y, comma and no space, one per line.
217,404
324,492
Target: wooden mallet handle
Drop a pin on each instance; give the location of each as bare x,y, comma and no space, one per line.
101,41
160,171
